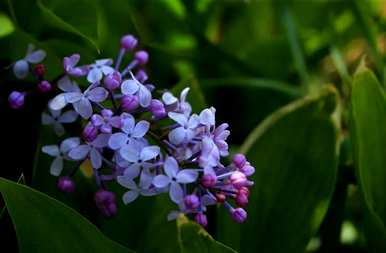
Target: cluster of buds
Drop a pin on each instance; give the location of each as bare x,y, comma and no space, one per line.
147,145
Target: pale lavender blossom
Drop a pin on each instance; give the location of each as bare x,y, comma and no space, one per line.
134,189
134,87
186,130
106,121
91,150
21,67
98,69
56,118
60,153
173,178
69,66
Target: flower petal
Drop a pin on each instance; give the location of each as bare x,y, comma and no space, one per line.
145,180
149,153
107,70
36,57
171,167
117,141
97,94
187,176
68,117
52,150
80,152
176,193
207,117
126,182
56,166
69,144
72,97
20,69
132,171
96,158
59,129
129,87
101,140
47,119
84,108
144,96
65,84
130,196
177,135
161,181
140,129
58,102
129,153
128,124
95,75
178,117
168,98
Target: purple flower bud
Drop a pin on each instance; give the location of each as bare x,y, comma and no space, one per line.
238,179
16,99
107,113
241,199
65,184
40,70
141,57
201,219
192,201
239,160
220,198
247,169
239,215
141,76
90,132
129,102
113,80
244,190
44,86
128,42
208,180
105,201
157,108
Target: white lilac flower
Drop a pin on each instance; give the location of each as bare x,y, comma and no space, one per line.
184,106
21,67
60,153
98,69
207,117
186,130
220,134
138,158
173,178
56,118
134,87
91,150
80,100
130,132
210,155
134,190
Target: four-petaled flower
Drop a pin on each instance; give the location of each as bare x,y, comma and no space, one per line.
21,67
69,64
106,121
174,177
98,69
134,190
56,118
134,87
187,129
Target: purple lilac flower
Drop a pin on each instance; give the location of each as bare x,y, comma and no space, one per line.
60,153
56,118
69,66
21,67
134,87
134,189
98,69
106,121
186,130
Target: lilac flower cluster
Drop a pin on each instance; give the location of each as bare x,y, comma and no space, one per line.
148,145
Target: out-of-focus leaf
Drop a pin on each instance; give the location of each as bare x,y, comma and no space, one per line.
46,225
294,152
368,122
6,25
193,238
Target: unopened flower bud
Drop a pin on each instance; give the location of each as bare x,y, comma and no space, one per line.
16,99
157,108
141,57
220,197
113,80
44,86
239,160
238,179
247,169
40,70
129,102
90,132
239,215
244,190
192,201
105,201
241,199
201,219
128,42
65,184
141,76
208,180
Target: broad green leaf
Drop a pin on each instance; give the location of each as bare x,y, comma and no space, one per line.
6,25
368,110
45,225
294,152
193,238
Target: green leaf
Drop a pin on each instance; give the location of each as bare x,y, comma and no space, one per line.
294,152
45,225
6,25
193,238
369,137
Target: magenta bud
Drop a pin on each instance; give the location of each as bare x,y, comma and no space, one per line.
220,198
239,215
239,160
247,169
65,184
129,102
113,80
244,190
16,99
90,132
201,219
192,201
128,42
40,70
106,202
238,179
141,57
141,76
157,108
208,180
241,199
44,86
106,113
